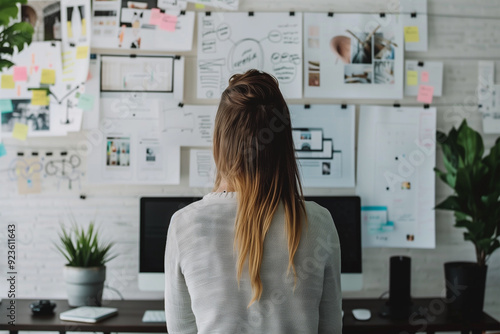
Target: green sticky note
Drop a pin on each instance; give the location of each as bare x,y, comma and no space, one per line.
86,102
6,106
2,150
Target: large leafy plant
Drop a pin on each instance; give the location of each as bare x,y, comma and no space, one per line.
14,35
82,248
475,179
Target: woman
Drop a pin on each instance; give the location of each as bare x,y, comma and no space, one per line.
253,256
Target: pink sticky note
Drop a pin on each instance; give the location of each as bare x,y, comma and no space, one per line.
425,94
155,17
424,76
168,22
20,73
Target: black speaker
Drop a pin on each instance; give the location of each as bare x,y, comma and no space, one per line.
399,305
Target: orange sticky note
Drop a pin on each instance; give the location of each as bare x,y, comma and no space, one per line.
20,131
425,94
411,34
82,52
20,73
8,81
168,22
424,76
156,16
48,76
39,98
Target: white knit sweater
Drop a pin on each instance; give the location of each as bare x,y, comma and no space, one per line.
201,289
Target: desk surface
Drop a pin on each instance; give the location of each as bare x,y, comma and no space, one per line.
130,312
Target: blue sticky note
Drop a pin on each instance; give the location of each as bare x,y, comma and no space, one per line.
2,150
86,102
6,106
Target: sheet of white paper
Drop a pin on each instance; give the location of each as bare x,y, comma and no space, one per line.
353,56
396,157
127,25
489,97
414,14
413,6
226,4
430,70
332,164
491,118
201,168
230,43
189,125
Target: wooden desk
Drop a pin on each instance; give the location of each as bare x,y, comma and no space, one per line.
129,318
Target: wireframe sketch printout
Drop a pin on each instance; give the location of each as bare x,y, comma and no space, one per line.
489,97
230,43
396,158
323,136
202,169
353,56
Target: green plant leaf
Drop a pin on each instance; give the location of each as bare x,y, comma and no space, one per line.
451,203
8,10
472,142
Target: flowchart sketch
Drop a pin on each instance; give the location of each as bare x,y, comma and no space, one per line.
230,43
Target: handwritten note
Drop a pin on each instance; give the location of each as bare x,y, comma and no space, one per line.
168,22
424,76
20,131
412,78
39,98
3,151
8,81
48,76
86,102
82,52
20,73
156,16
425,94
6,106
411,34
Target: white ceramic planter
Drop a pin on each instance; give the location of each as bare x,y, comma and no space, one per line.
84,285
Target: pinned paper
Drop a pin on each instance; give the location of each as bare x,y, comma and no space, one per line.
8,81
412,78
156,16
86,102
199,6
39,98
411,34
20,73
425,94
20,131
48,76
82,52
168,22
6,106
3,151
424,76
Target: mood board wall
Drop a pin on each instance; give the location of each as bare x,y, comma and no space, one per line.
460,32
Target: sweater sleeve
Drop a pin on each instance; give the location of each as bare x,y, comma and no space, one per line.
178,313
330,307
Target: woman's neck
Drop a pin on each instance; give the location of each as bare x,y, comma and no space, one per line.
224,187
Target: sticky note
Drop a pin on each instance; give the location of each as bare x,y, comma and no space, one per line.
411,34
20,73
48,76
39,98
168,22
156,16
424,76
199,6
8,81
82,52
86,102
425,94
20,131
412,78
3,151
6,106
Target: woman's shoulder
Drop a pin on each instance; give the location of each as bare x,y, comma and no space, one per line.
318,217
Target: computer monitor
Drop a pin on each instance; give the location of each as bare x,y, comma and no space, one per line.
155,217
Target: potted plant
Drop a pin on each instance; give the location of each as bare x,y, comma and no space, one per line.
14,35
85,271
475,180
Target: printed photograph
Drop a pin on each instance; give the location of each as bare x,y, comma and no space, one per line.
36,117
384,46
314,73
118,151
384,72
326,168
358,74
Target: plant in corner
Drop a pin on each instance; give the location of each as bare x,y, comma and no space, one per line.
14,35
85,271
475,179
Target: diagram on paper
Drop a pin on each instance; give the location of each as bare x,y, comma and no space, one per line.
227,46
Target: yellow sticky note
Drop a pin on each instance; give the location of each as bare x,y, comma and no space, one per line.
82,52
8,81
412,78
411,34
48,76
20,131
199,6
70,31
39,98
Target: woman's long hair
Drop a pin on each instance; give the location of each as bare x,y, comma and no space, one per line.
254,152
